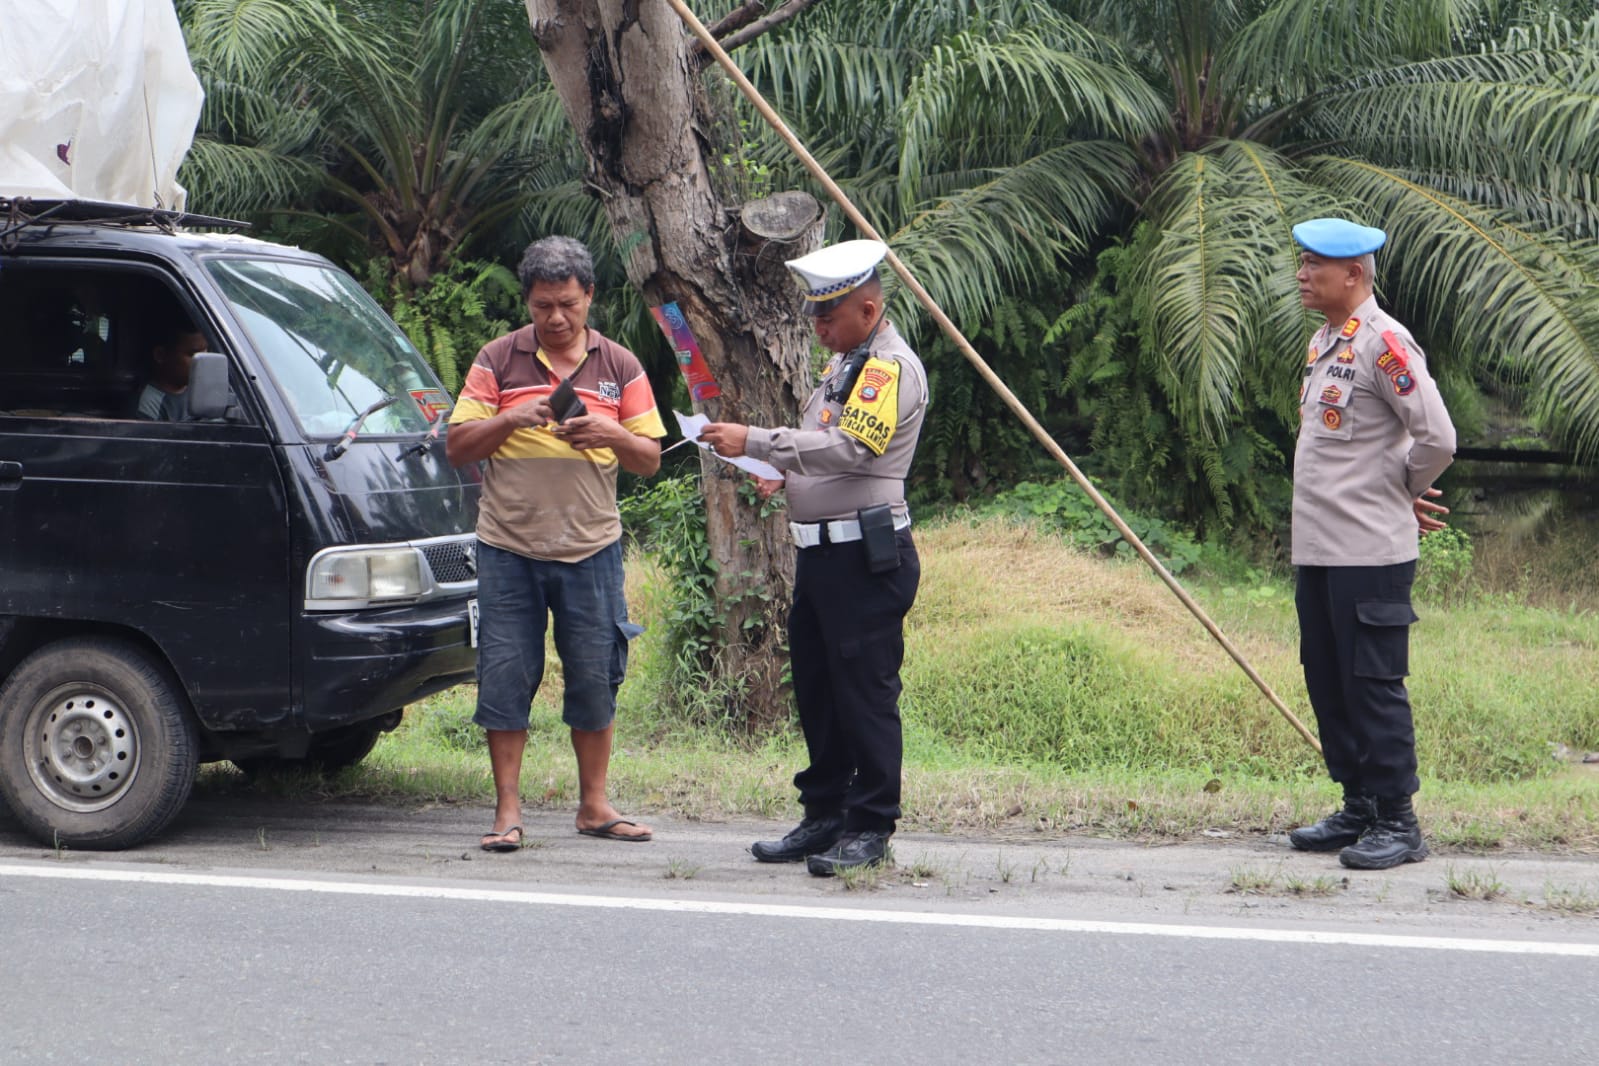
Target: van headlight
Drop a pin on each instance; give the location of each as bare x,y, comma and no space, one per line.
346,578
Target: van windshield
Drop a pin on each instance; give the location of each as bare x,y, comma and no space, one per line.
330,347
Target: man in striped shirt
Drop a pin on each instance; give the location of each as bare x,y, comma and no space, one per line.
549,536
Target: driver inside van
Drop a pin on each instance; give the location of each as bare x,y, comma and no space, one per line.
166,397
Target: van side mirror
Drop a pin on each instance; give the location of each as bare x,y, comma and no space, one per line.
209,395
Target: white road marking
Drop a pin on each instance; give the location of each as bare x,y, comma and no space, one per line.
51,870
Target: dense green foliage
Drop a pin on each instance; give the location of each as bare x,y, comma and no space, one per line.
450,317
1100,191
1061,507
413,128
999,144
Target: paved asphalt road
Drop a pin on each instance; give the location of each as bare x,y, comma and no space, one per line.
260,931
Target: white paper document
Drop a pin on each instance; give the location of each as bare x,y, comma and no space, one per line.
690,426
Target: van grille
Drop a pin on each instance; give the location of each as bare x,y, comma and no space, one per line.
448,561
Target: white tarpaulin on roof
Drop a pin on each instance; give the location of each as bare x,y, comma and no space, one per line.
97,100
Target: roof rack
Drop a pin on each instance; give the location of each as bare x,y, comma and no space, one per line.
24,211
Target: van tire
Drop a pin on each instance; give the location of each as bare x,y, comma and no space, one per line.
329,753
98,747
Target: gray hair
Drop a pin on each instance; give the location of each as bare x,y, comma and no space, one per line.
555,259
1368,268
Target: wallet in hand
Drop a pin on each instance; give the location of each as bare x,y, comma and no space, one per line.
565,402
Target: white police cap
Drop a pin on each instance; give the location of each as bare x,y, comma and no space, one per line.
1338,238
829,274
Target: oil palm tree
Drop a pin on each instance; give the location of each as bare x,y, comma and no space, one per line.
997,141
417,128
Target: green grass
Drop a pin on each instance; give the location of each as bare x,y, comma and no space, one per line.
1474,884
1050,692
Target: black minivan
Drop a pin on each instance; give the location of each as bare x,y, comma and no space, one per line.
269,580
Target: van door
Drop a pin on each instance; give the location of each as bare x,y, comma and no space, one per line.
176,530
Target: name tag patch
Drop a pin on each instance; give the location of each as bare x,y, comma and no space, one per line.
871,414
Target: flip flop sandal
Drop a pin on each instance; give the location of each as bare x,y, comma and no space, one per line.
606,831
503,845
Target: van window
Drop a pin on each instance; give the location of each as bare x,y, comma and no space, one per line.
330,347
78,340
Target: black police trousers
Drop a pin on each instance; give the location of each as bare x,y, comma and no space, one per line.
1354,642
846,643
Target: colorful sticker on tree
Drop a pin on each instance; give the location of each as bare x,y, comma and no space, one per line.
871,413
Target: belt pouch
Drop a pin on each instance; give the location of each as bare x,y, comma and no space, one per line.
877,534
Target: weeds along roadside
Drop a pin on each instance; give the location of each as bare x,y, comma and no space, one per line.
1049,689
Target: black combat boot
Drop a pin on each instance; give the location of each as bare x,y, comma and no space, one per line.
1340,828
868,847
1395,839
815,834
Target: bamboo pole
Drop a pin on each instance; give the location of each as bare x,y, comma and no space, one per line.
983,369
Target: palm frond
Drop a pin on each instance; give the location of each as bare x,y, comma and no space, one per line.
970,249
1287,50
973,92
1506,114
243,180
1217,274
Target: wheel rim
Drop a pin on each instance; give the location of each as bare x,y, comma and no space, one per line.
81,747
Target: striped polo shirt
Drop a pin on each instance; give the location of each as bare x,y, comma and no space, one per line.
541,497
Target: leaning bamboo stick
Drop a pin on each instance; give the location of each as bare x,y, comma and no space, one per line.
983,369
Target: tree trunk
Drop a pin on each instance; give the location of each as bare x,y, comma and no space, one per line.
625,74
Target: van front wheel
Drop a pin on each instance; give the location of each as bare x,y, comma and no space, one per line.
97,744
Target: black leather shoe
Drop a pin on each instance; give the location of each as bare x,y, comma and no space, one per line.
811,836
1339,829
1395,839
853,851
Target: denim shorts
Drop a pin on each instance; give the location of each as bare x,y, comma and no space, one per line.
516,598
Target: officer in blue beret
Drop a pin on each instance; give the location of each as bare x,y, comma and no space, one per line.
1373,436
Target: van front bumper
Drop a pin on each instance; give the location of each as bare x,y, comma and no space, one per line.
362,664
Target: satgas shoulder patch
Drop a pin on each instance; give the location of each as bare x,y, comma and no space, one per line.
871,413
1395,362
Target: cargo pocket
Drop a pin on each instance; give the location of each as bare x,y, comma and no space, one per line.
1382,639
625,632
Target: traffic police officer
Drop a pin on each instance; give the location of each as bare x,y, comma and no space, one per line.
1373,436
856,573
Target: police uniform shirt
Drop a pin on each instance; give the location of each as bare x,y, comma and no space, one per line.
1373,435
833,464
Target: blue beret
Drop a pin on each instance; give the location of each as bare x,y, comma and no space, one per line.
1338,238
